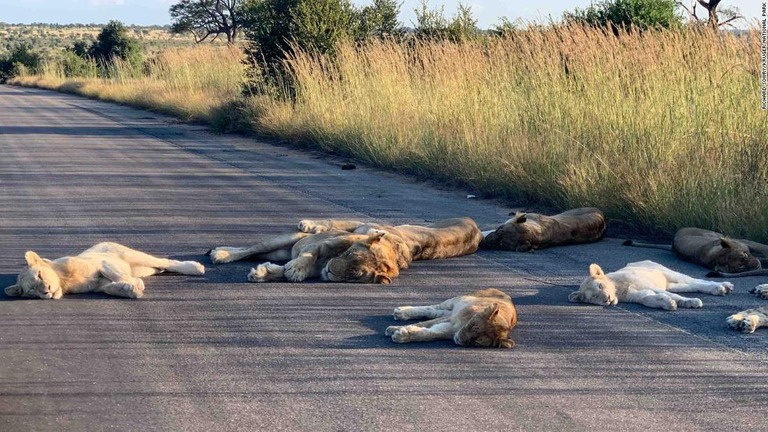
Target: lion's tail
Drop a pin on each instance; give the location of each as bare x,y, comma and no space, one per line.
647,245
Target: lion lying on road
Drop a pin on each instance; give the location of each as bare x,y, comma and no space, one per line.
351,251
647,283
480,319
526,231
107,267
751,319
726,256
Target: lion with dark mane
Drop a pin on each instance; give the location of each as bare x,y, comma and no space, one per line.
351,251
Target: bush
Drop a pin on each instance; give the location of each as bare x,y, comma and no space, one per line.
20,59
640,14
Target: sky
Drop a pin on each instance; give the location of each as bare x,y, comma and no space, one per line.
146,12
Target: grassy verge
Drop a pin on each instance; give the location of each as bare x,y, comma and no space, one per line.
660,128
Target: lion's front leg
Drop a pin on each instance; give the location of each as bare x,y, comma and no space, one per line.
653,299
318,226
419,333
266,272
134,289
121,281
226,254
404,313
749,320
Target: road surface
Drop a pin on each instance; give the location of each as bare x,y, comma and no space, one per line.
216,353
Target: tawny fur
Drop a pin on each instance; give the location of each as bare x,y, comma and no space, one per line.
351,251
527,231
109,268
727,257
480,319
751,319
647,283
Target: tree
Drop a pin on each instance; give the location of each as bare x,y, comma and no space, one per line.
204,18
630,14
711,6
379,20
432,24
113,42
275,27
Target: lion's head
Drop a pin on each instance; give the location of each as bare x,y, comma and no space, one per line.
37,280
596,289
486,328
513,235
373,260
734,257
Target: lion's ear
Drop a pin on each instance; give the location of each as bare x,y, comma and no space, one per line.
575,297
491,311
726,243
595,270
13,291
381,278
375,237
520,217
33,259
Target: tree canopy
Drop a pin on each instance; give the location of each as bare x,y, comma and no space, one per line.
205,18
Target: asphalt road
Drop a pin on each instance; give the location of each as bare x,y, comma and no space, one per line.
216,353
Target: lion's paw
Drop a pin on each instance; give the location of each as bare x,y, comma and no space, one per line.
259,273
693,303
666,302
312,227
401,335
296,272
723,289
761,291
745,323
196,269
391,330
220,255
401,313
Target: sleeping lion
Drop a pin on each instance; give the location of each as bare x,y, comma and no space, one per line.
645,282
728,257
751,319
527,231
108,268
480,319
351,251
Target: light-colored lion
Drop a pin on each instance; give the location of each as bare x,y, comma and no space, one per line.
351,251
728,257
109,268
647,283
480,319
751,319
527,231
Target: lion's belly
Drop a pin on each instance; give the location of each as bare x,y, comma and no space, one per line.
84,273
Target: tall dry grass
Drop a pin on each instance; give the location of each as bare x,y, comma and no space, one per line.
192,83
662,128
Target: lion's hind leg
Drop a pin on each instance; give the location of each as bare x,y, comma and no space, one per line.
749,320
226,254
702,286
